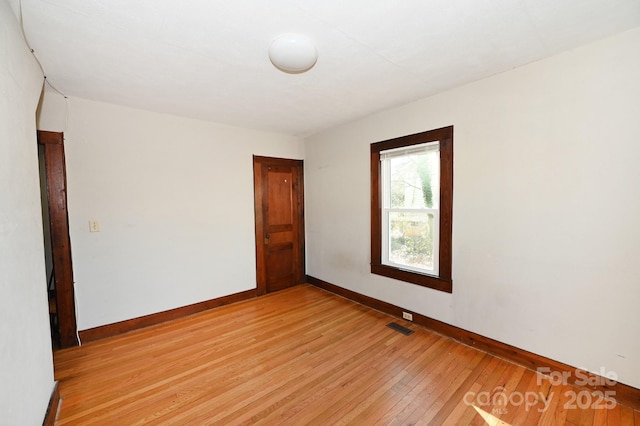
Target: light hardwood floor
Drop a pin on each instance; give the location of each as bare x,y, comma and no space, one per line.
305,356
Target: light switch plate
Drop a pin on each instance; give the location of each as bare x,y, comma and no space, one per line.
94,226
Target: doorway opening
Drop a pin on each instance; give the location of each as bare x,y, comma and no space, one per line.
60,288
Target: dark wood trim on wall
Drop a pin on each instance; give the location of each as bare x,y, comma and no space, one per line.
50,138
114,329
624,394
52,408
261,272
56,178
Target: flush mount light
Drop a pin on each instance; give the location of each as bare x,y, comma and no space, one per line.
293,53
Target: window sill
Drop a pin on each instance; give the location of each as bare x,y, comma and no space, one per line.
436,283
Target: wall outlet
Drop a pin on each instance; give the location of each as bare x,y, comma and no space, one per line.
407,316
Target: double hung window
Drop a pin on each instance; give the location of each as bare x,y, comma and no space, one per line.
412,179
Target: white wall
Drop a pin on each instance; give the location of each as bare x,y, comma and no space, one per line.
26,365
174,199
546,206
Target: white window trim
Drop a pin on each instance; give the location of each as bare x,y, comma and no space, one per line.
386,210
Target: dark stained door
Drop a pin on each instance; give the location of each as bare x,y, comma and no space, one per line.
56,181
279,209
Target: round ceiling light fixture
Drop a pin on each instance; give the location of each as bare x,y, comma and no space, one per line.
293,53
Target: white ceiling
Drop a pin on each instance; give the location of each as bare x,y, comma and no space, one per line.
208,59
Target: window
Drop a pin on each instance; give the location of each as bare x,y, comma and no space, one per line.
411,208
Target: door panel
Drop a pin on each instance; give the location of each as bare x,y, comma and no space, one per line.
280,237
280,267
279,223
279,195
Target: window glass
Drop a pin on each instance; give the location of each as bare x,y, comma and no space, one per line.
411,194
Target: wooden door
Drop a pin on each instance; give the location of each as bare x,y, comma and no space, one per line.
279,210
56,181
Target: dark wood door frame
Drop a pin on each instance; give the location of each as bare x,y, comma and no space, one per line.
260,206
56,178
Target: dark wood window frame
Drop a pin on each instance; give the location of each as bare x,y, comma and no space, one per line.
443,281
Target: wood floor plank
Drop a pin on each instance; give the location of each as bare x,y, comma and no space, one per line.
194,373
388,404
520,395
427,391
550,402
282,360
626,415
422,373
313,380
483,403
300,356
614,417
241,398
600,417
